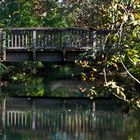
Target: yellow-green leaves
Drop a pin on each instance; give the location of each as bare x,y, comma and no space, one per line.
134,56
116,90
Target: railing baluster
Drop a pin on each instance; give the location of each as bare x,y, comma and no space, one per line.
47,38
19,44
15,40
55,38
91,39
8,44
37,38
40,39
73,38
26,40
88,39
29,39
22,40
61,35
78,38
49,42
58,35
58,38
43,39
12,40
85,36
50,38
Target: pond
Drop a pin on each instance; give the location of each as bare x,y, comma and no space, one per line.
52,107
64,119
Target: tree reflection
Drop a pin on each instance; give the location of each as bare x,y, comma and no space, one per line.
25,85
35,79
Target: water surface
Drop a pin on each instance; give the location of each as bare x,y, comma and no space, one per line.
46,119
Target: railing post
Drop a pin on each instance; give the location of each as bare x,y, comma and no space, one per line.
34,44
61,46
64,45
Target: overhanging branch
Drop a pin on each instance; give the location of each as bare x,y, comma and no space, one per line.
129,72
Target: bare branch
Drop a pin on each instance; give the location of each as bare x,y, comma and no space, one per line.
129,72
105,78
119,97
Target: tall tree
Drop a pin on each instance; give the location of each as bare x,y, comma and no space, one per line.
34,13
119,54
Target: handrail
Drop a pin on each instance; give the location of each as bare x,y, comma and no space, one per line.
51,28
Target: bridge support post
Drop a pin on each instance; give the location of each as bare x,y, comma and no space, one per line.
34,45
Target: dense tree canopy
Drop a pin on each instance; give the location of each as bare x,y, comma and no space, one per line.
33,13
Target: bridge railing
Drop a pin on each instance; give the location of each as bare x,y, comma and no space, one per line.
43,38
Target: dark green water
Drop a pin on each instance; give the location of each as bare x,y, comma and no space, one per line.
60,119
55,119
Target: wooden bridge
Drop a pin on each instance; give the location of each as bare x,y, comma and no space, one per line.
47,44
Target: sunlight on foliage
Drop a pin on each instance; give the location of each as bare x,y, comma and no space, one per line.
116,90
119,55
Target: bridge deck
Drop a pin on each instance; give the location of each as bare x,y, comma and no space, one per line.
48,44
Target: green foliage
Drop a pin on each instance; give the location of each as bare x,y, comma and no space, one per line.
120,50
24,13
23,76
85,13
16,13
3,69
25,85
54,16
25,68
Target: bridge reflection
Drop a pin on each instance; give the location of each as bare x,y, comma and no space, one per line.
54,120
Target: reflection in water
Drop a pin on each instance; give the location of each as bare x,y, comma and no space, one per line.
45,119
39,86
57,80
